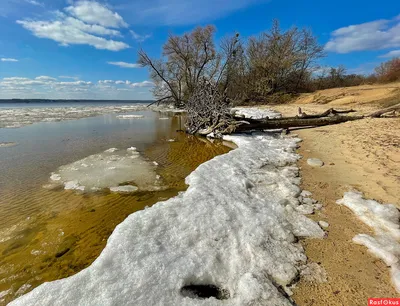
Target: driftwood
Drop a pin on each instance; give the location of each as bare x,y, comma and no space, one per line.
379,113
293,122
329,117
208,111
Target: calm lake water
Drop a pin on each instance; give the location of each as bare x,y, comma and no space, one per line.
51,234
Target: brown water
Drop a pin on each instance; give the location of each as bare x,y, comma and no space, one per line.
51,234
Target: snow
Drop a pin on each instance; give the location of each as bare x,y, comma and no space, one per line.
306,193
255,113
323,224
234,228
384,220
315,162
313,272
109,169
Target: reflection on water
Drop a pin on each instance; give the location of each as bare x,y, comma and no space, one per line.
51,234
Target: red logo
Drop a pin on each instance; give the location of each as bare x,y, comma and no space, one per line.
384,302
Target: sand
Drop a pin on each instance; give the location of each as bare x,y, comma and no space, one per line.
361,154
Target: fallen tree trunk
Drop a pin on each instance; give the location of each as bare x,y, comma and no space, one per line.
285,123
385,111
209,111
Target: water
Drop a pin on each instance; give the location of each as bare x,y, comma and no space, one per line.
51,234
67,103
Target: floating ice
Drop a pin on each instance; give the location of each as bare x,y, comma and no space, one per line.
130,116
114,169
231,235
384,220
163,118
7,144
18,117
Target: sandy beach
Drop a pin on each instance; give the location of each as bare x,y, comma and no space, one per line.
364,155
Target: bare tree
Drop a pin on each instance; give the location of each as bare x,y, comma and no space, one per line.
282,61
389,71
186,60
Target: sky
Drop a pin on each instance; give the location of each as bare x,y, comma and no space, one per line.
80,49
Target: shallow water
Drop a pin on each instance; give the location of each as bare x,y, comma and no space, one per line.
51,234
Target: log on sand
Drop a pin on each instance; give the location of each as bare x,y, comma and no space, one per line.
293,122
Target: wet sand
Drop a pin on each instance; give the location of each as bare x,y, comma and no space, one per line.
364,155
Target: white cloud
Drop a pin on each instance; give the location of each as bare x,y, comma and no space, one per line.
16,81
138,37
391,54
48,87
8,60
375,35
128,83
34,2
65,34
142,84
45,78
68,30
76,83
125,65
95,13
90,28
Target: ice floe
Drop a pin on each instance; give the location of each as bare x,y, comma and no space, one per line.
384,220
7,144
118,170
130,116
230,236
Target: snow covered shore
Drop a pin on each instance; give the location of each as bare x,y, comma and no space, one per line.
233,234
384,220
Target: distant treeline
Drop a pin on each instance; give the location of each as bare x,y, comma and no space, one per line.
268,68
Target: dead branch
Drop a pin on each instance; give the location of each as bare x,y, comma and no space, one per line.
159,101
385,111
329,112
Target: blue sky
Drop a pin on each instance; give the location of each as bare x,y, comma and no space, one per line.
88,49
